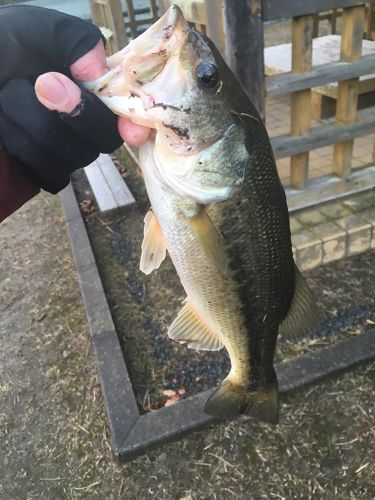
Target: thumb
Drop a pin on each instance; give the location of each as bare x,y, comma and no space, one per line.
58,93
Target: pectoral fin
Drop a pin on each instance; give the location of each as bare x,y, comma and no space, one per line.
206,233
153,245
189,328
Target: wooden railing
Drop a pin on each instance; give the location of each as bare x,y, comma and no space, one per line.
107,14
349,124
118,25
237,29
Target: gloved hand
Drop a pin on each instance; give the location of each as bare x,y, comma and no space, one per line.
52,144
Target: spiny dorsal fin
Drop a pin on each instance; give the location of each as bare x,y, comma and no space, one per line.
303,315
189,328
206,233
153,244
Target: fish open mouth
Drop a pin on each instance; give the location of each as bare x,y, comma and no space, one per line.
132,86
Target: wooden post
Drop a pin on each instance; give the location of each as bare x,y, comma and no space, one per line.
370,21
132,20
316,25
108,14
154,10
236,27
334,17
351,50
302,33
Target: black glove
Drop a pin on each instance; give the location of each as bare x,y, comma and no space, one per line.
51,145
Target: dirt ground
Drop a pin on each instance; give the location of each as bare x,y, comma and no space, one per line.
143,307
53,435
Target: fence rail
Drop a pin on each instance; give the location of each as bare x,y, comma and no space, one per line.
237,29
276,9
322,74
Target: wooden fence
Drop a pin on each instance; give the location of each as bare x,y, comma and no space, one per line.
237,29
118,24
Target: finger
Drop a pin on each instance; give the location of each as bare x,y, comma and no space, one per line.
57,92
81,111
45,130
133,134
37,40
91,65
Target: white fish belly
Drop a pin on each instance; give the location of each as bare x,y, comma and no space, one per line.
210,291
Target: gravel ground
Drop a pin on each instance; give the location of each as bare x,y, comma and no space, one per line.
53,435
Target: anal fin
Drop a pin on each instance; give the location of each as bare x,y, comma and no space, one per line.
303,315
153,244
190,329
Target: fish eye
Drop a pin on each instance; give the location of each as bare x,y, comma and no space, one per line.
207,75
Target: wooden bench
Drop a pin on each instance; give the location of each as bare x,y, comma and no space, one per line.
326,49
109,188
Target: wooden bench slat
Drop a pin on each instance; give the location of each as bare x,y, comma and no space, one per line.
109,188
116,183
103,194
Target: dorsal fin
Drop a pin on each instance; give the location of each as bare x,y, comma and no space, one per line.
153,244
189,328
303,315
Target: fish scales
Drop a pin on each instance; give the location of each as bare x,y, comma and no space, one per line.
218,207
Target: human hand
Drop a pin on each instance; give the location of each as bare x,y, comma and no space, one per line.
52,145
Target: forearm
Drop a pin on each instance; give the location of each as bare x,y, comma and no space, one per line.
16,186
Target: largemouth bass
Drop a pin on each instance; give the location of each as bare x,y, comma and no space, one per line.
218,207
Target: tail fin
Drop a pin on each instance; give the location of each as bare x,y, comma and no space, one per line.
231,400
